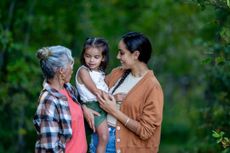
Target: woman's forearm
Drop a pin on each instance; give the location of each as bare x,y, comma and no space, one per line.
109,105
126,121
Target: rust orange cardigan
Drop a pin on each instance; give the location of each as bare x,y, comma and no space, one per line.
144,103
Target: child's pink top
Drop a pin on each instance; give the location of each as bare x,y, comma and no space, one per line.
77,143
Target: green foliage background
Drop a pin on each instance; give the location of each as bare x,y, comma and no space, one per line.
191,41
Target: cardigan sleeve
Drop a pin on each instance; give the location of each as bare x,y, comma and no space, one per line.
151,116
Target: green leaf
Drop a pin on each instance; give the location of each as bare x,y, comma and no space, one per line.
207,61
215,134
219,60
221,133
219,140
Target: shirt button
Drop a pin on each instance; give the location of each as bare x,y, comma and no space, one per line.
118,128
118,140
118,151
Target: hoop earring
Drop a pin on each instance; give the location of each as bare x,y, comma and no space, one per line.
61,78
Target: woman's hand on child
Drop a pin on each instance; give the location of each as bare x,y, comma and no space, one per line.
107,102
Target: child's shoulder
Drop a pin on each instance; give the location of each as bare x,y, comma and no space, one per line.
83,68
82,71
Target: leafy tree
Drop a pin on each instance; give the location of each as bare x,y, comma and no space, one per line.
181,35
216,43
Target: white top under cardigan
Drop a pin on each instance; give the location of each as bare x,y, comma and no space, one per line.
129,82
98,78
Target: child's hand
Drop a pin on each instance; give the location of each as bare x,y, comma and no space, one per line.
120,96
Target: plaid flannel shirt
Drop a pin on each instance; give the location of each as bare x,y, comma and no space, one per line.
52,119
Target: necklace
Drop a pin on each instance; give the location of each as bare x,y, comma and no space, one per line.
139,75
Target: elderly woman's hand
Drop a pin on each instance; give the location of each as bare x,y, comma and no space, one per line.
107,103
89,115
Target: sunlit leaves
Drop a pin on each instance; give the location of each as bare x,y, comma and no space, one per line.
219,135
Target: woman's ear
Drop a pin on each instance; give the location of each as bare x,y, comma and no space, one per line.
136,54
60,74
61,71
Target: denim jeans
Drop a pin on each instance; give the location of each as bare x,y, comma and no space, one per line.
111,145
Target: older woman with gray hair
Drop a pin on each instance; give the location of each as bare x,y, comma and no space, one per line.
58,119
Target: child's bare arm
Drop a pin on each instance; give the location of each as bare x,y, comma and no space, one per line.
84,77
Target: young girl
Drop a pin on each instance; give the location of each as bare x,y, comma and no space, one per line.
90,83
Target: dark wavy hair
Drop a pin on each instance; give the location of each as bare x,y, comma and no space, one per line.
100,44
135,41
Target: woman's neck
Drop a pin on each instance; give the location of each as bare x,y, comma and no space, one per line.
139,70
56,84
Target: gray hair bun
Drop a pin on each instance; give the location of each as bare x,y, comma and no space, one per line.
43,53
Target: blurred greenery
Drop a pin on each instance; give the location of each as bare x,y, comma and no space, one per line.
191,42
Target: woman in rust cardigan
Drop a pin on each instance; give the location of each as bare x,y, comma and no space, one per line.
135,116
